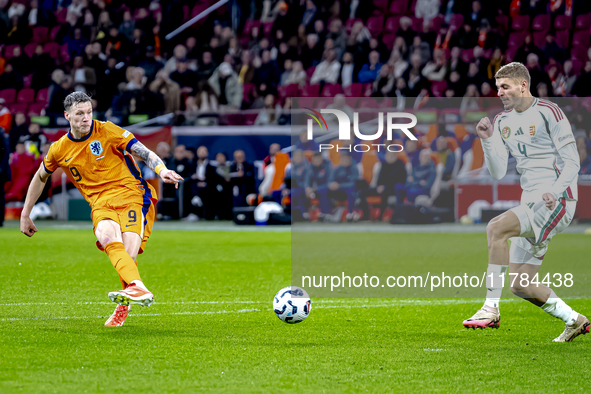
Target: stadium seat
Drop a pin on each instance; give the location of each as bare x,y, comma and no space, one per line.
18,107
417,23
27,79
367,89
52,48
541,23
579,53
392,24
436,24
580,38
40,34
61,16
331,90
539,38
64,54
26,95
368,102
290,90
516,39
467,55
353,90
562,22
577,66
43,96
583,22
520,23
249,119
30,48
398,7
232,119
323,102
9,95
310,90
381,4
36,108
310,72
438,88
563,38
502,22
375,25
456,22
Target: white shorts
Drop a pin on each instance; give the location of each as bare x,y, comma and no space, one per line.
538,226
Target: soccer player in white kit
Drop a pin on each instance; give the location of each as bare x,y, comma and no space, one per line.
539,136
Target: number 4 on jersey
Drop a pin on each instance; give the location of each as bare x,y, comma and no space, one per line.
522,149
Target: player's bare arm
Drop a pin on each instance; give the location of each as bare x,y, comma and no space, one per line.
156,164
35,189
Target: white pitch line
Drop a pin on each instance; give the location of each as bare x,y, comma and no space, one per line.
348,306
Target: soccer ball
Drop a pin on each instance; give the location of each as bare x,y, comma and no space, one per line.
292,304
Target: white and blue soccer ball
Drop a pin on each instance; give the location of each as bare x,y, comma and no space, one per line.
292,304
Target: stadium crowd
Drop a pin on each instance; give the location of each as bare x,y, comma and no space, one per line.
271,51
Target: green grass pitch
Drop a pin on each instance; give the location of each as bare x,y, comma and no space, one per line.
212,327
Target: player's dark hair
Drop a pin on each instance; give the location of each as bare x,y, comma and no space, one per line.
514,70
76,98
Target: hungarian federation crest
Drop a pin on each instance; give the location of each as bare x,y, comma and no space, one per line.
506,132
96,148
532,130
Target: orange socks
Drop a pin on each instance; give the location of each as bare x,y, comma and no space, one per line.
122,262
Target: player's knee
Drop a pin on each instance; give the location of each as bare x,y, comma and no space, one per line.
494,231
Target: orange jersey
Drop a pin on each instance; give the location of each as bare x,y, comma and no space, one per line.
100,165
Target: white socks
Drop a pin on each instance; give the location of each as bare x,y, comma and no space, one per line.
494,284
139,284
558,308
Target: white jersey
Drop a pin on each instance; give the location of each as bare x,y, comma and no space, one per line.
534,138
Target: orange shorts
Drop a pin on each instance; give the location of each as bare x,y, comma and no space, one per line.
134,217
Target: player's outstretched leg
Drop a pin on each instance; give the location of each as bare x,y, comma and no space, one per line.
498,231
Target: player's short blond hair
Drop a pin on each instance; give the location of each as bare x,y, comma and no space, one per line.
516,71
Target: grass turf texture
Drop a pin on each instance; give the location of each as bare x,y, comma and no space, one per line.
212,327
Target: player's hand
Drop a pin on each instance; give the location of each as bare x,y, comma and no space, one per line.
28,227
484,129
550,200
170,176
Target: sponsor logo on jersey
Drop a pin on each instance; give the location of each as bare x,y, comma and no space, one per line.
532,130
96,148
519,132
126,134
506,132
565,137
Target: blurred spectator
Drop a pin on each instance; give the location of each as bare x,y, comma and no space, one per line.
180,162
309,13
76,42
455,63
470,101
369,71
401,92
39,16
542,91
22,167
422,178
347,74
287,66
150,64
82,76
297,74
245,68
225,85
185,78
179,53
391,176
427,9
384,83
202,185
311,52
116,44
222,188
446,157
268,72
340,103
338,36
328,70
163,151
270,114
36,140
474,76
474,17
299,175
536,72
207,67
19,130
304,144
551,50
421,48
523,53
398,64
138,79
127,26
565,80
580,87
436,69
583,156
5,120
316,183
10,79
21,62
496,62
5,173
406,30
273,150
243,178
18,31
343,179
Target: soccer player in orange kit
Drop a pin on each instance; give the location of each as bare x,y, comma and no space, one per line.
97,156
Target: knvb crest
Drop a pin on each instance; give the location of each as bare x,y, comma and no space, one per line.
96,148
